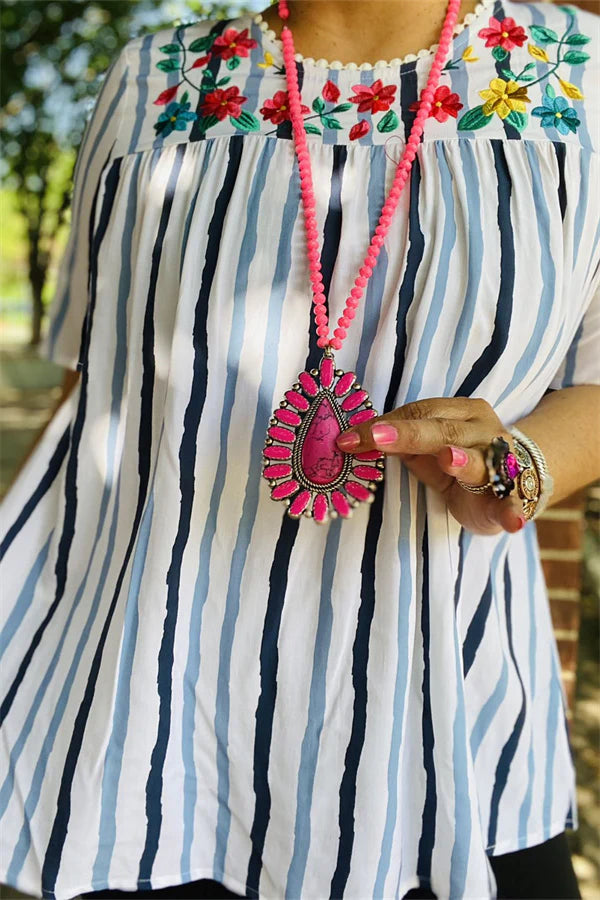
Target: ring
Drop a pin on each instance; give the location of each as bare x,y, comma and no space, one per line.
503,467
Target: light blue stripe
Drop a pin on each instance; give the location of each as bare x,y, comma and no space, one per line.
142,91
459,862
492,704
434,313
80,230
538,18
206,152
330,135
532,554
366,77
526,364
404,602
463,331
25,598
576,78
201,587
254,484
585,159
551,729
309,752
172,80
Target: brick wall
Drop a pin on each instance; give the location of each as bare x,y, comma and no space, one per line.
560,533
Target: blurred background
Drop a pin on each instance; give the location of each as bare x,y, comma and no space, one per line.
53,57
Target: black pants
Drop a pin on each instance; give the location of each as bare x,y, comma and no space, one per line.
543,872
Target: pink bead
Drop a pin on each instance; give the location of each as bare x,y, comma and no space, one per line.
313,255
319,298
336,343
378,240
349,313
344,322
366,271
356,293
352,302
361,281
321,320
320,308
322,342
340,333
323,330
381,229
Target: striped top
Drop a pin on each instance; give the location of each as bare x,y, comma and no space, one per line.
195,685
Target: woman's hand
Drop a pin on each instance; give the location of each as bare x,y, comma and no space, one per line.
439,440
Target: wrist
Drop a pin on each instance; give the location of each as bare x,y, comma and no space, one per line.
535,483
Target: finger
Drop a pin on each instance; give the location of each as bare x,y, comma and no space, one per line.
508,513
396,435
465,463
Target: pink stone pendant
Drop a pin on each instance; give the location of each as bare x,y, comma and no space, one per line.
301,460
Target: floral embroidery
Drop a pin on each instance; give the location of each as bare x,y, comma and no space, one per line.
175,117
556,112
374,97
507,97
445,103
222,103
277,108
232,43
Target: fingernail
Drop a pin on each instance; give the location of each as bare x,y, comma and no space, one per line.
347,440
384,434
522,521
459,457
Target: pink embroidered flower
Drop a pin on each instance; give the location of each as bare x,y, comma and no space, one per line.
506,34
277,108
359,130
221,103
374,97
233,43
331,92
445,104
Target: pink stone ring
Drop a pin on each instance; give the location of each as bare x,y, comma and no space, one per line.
503,469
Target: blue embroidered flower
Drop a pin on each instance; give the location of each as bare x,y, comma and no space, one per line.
175,117
556,113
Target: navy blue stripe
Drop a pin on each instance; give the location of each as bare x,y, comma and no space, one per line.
561,151
408,95
427,838
197,133
187,465
43,486
510,747
476,627
61,821
265,711
512,133
360,660
491,356
68,530
461,562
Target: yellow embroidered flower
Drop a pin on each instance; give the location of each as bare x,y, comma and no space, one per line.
468,55
503,97
268,61
570,90
538,53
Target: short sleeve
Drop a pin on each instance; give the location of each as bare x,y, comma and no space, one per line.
581,364
63,337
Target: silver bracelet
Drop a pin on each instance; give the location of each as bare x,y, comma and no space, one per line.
546,480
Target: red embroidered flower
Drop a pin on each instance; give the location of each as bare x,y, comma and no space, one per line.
374,97
233,43
359,130
277,108
331,92
201,61
506,34
221,103
445,104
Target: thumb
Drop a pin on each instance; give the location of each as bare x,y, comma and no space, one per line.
507,513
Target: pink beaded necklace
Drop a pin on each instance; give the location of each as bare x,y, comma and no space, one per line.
302,462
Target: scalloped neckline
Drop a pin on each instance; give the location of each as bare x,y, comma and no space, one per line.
269,35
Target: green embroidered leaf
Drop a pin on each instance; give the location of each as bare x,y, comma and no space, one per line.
569,10
341,107
528,67
208,76
233,63
527,77
318,105
202,43
543,35
207,122
311,129
245,121
508,73
550,92
473,119
450,65
388,123
577,39
575,57
518,119
499,53
170,48
185,97
168,65
223,81
331,122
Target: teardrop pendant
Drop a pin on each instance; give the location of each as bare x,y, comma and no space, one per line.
318,480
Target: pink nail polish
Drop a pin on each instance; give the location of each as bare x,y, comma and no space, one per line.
384,434
522,521
347,440
459,457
